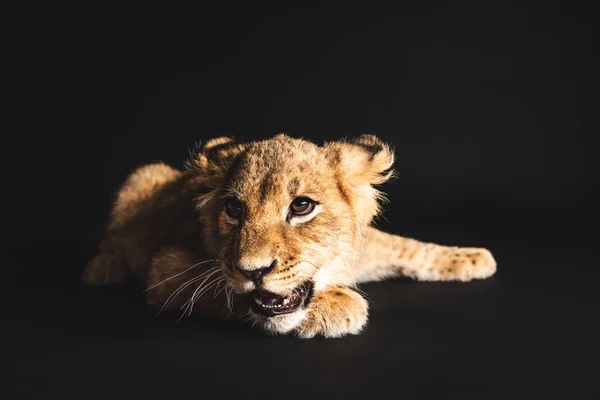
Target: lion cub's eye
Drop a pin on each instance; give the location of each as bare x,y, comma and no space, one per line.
302,206
233,208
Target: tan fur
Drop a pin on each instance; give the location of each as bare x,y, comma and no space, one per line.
335,312
169,229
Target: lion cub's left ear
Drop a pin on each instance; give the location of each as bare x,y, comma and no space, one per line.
365,160
214,158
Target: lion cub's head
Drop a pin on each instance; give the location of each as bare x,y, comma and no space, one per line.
287,217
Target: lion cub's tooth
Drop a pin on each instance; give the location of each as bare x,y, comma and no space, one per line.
286,301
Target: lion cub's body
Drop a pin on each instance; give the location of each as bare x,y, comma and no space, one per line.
169,229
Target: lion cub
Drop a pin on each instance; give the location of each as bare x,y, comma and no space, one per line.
277,232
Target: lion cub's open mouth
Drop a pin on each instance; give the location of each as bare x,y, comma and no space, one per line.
271,304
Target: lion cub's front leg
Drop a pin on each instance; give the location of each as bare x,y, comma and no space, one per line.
335,312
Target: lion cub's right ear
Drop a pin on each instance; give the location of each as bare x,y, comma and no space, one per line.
214,158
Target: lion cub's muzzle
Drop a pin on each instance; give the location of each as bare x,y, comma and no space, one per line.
270,304
256,274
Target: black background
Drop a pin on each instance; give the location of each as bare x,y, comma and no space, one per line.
489,107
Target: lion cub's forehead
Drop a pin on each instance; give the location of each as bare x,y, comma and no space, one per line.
281,168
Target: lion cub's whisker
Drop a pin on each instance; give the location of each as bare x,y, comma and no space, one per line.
185,285
200,286
181,288
189,304
194,300
219,290
183,272
177,291
229,292
200,292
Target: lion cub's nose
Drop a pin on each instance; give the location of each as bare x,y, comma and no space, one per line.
256,274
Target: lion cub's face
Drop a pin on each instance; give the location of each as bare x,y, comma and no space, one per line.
286,217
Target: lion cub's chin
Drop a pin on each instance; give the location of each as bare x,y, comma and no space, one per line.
284,323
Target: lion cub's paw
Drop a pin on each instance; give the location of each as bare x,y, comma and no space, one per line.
335,312
104,269
465,264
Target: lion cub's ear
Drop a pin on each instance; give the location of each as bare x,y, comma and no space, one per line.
214,158
365,160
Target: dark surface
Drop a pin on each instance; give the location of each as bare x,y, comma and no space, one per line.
492,113
529,331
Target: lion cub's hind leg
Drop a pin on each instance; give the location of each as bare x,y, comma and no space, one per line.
107,268
125,243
